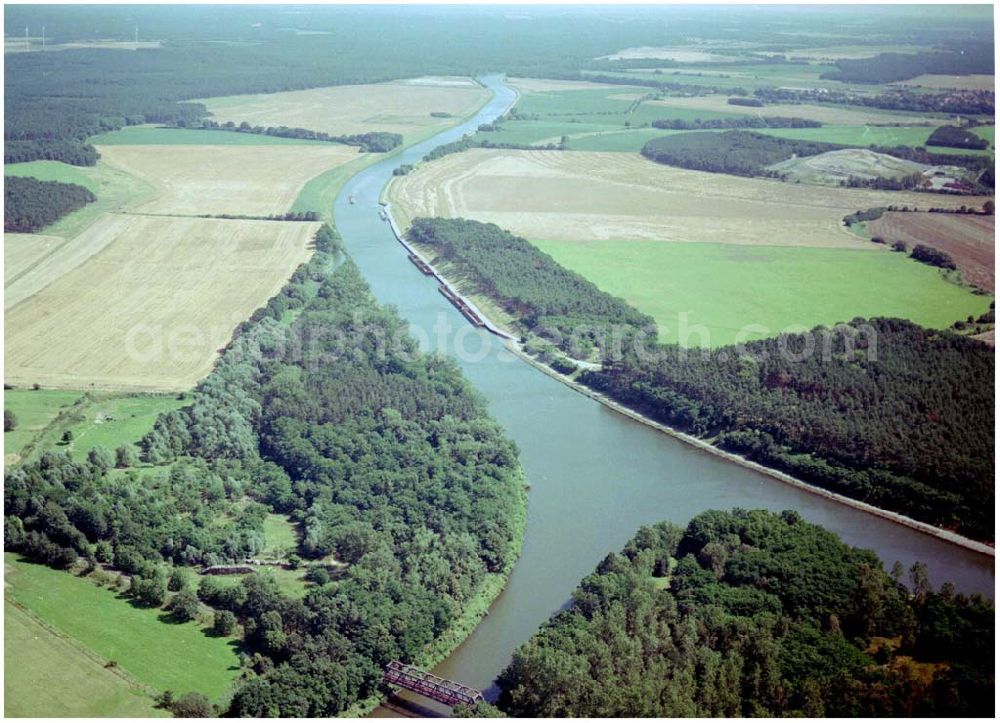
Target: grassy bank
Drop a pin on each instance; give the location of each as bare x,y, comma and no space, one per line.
75,682
147,646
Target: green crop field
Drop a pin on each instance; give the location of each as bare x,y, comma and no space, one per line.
55,171
35,410
154,136
147,647
726,287
528,132
577,111
48,675
631,141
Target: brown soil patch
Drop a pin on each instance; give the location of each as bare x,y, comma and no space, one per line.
969,240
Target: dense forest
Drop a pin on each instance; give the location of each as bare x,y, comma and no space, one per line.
30,205
551,301
55,100
955,137
384,457
749,614
894,67
881,410
740,153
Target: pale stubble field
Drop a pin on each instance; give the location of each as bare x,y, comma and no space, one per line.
153,306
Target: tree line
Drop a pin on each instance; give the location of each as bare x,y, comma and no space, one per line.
749,614
30,205
969,102
373,142
680,124
547,298
384,457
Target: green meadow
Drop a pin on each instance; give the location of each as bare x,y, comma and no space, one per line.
95,419
281,536
88,177
114,190
155,136
144,643
47,675
725,288
111,421
35,410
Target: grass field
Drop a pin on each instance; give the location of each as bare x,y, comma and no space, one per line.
115,190
148,648
949,82
111,420
398,107
35,410
150,308
156,136
725,288
319,193
246,180
630,141
280,536
583,196
48,675
290,582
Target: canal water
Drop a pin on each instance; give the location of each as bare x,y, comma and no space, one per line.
595,476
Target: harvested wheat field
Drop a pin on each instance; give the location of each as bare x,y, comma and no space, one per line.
21,251
582,196
151,309
968,239
830,115
403,106
237,180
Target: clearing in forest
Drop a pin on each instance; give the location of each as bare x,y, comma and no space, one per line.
402,106
150,309
580,196
231,179
969,239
